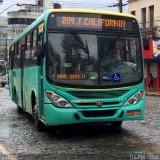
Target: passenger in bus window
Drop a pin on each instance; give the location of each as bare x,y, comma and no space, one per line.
90,67
112,56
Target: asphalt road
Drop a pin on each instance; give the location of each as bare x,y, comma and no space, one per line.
135,140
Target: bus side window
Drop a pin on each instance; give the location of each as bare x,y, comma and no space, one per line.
40,52
34,48
15,57
11,56
19,55
31,40
40,38
27,52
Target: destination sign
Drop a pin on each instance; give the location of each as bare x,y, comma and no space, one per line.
91,22
71,76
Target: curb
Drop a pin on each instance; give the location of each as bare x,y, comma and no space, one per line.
153,94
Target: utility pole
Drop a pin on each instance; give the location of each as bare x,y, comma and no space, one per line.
120,5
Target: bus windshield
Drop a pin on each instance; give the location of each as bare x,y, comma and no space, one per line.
93,60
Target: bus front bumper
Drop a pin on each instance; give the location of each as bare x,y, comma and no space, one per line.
59,116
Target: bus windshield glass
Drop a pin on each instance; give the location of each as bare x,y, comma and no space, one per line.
94,60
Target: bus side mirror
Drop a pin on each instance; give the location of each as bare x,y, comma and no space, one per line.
39,49
146,43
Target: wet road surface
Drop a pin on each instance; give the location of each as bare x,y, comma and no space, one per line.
135,140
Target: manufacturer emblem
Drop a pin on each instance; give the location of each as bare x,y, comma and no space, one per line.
99,103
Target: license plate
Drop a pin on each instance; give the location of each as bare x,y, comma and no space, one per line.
133,113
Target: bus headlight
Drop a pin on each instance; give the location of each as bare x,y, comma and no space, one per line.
57,100
135,98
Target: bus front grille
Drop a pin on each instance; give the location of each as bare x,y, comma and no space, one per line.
95,95
95,103
102,113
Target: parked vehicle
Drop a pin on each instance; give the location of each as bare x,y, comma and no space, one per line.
3,73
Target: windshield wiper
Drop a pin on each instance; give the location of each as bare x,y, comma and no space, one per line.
110,46
81,44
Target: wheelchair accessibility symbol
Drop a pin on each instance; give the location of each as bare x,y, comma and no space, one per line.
116,77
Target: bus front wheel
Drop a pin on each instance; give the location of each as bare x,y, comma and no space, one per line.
19,109
38,124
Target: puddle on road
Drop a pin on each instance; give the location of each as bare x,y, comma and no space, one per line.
153,148
126,143
6,125
4,129
126,148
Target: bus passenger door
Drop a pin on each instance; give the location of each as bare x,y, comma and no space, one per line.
40,75
17,75
22,75
10,72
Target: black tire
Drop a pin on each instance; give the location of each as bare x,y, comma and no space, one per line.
19,109
15,99
37,123
116,124
15,96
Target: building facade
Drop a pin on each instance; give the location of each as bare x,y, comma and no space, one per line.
3,37
27,13
148,15
19,20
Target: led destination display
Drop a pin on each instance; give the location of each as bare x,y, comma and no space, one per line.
91,22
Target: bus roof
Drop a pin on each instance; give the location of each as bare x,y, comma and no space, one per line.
47,12
92,11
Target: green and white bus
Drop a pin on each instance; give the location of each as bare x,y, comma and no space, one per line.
78,66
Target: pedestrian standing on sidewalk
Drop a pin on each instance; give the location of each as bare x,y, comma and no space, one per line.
150,81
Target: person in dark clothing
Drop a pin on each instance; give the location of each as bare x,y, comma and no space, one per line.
150,81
